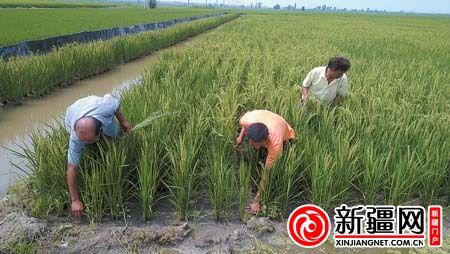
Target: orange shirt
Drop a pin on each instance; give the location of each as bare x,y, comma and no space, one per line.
279,131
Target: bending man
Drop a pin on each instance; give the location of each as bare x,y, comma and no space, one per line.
327,83
86,120
264,129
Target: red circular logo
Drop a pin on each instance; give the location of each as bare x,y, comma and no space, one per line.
308,226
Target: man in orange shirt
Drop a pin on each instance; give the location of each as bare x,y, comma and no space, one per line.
264,129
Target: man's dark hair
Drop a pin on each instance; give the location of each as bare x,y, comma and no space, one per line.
258,132
339,63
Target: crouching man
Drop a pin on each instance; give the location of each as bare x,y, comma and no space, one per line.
328,84
86,120
264,129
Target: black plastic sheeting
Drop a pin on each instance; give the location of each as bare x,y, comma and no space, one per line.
47,45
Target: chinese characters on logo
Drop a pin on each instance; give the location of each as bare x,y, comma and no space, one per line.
368,226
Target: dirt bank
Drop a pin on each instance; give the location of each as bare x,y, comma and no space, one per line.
162,234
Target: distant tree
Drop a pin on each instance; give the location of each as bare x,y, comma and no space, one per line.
303,8
368,9
345,9
259,4
150,4
276,7
334,8
324,7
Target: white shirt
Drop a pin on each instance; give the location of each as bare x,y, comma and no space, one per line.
319,87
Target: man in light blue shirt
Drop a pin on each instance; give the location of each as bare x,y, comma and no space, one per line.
86,120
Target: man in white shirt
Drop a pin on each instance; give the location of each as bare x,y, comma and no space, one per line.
86,120
327,83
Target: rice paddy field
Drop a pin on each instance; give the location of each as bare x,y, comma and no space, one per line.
387,143
37,24
52,4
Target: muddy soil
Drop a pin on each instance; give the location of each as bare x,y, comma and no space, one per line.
162,234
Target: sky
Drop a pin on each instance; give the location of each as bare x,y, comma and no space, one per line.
427,6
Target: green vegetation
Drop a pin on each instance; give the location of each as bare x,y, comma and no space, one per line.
149,173
282,184
386,144
20,247
105,175
221,178
46,158
38,75
52,4
17,25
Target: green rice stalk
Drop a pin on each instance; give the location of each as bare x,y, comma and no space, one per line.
220,176
148,177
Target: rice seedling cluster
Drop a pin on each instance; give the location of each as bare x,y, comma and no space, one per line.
387,143
38,75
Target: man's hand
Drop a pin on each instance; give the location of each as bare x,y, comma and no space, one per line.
255,207
126,126
304,95
238,141
241,136
336,101
77,209
303,100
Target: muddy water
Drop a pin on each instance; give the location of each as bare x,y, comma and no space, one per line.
16,122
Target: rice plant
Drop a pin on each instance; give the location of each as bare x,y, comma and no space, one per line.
220,175
46,156
151,118
184,154
113,158
281,187
93,191
244,190
104,171
149,176
375,174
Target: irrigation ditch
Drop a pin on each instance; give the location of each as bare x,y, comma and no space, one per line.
38,75
17,121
